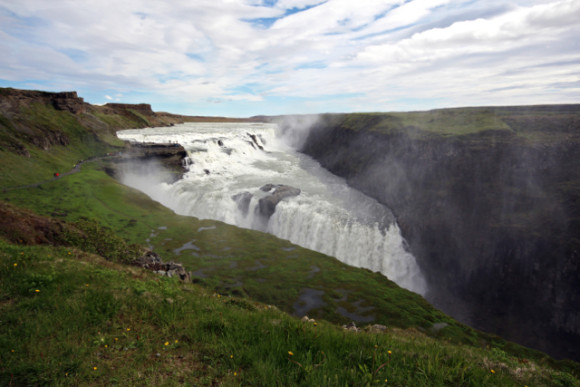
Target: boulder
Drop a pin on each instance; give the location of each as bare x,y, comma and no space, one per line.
351,326
267,205
243,200
376,328
152,261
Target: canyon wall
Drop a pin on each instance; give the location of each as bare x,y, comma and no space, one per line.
492,213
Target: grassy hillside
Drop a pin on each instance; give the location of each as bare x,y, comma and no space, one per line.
74,313
73,318
527,122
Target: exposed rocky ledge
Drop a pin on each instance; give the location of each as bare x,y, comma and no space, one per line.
65,100
143,108
153,262
267,205
137,155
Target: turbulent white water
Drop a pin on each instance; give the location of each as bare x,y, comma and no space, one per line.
227,159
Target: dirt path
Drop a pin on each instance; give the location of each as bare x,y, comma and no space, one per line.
75,169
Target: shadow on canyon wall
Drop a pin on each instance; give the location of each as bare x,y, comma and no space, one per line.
491,213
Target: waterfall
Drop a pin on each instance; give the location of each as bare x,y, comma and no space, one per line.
244,174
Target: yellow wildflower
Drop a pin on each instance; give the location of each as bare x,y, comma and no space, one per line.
15,264
166,343
235,374
290,353
231,356
128,329
116,339
176,341
37,291
389,352
94,368
492,371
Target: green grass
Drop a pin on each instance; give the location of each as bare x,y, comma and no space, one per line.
535,125
72,318
38,121
447,122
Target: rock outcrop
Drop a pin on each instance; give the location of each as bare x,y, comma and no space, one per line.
152,261
138,156
493,217
68,101
13,99
142,108
267,205
243,200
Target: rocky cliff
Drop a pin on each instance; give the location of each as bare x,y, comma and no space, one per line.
142,158
12,100
46,119
489,202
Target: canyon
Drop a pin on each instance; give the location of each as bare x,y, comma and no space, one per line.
487,199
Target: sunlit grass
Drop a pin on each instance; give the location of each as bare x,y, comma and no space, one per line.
96,322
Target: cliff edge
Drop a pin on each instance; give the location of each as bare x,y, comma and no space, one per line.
488,200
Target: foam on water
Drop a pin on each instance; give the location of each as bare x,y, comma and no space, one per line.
327,216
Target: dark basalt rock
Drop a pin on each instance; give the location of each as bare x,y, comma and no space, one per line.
172,156
267,205
243,200
152,261
254,141
142,108
493,217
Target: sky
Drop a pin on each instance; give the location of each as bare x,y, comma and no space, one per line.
240,58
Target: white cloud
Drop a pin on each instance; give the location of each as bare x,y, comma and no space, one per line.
439,50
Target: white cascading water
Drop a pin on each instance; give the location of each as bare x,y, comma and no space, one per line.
229,159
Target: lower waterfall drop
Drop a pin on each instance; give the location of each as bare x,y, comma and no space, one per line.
243,174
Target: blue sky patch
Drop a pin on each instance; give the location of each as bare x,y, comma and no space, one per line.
267,22
194,56
312,65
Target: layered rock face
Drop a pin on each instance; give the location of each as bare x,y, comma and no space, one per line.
14,99
143,108
47,119
492,217
137,157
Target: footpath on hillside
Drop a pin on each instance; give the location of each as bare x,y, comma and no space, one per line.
76,168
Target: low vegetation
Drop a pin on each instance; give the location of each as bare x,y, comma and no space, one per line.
74,318
74,311
522,122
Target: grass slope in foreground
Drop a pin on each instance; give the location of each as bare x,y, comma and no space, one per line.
74,318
